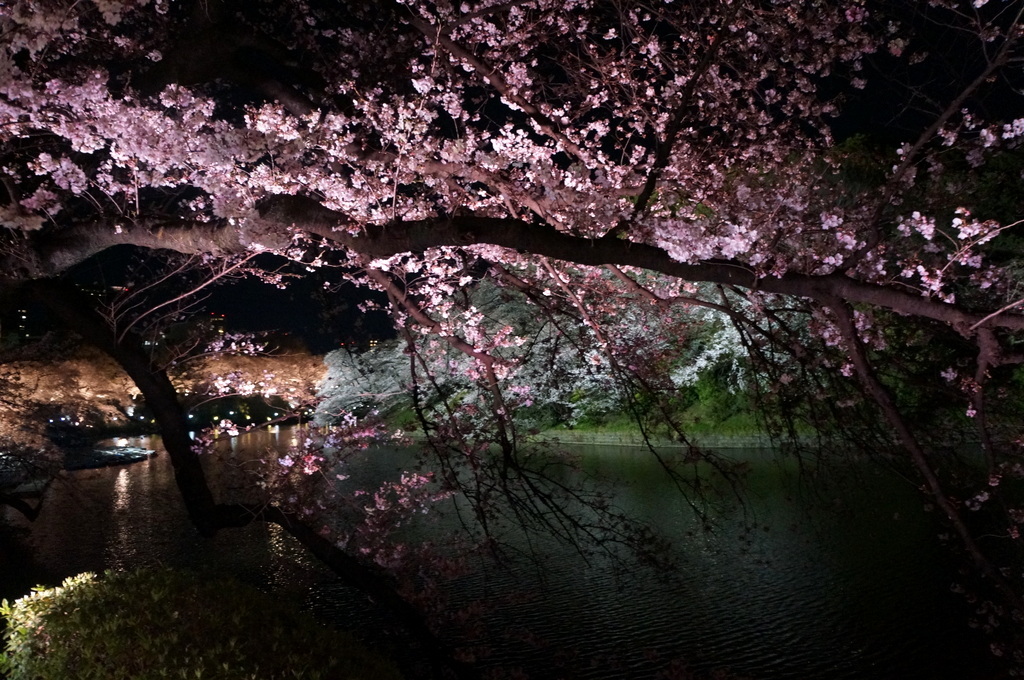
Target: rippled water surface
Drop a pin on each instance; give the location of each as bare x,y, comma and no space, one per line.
838,583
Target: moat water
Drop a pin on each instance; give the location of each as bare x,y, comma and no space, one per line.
797,580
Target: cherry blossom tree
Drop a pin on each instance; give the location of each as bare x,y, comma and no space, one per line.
604,162
239,367
355,381
47,390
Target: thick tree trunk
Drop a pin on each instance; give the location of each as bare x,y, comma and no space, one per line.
75,311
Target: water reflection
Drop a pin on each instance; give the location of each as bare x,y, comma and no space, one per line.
121,495
788,585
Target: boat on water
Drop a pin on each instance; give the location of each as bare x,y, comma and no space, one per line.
21,478
105,456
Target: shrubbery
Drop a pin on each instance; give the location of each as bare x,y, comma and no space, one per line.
153,624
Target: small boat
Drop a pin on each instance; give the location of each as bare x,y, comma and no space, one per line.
105,456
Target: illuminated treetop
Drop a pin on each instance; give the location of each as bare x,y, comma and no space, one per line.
698,130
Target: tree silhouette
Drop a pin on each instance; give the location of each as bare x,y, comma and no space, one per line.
591,158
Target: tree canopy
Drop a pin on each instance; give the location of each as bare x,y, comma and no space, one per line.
838,183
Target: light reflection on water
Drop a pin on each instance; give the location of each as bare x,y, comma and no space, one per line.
793,583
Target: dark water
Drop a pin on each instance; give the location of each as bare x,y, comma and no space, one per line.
798,581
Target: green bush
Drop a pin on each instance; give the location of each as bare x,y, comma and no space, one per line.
160,623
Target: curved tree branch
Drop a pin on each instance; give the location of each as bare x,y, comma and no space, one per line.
891,412
280,214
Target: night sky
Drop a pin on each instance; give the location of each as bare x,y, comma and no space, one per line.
322,318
